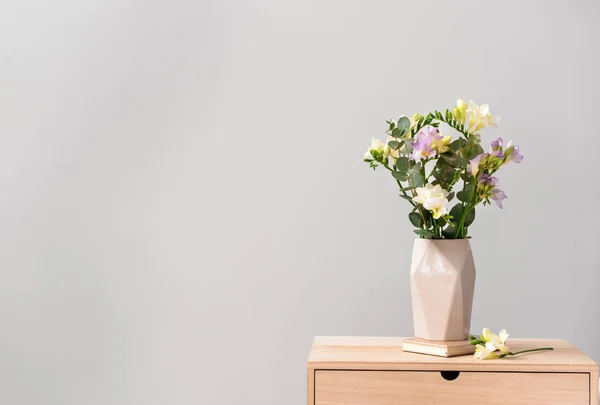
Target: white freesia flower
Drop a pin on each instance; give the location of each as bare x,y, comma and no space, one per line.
433,198
480,117
491,346
487,352
497,341
376,145
437,206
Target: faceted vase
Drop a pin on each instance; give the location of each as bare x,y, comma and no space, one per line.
442,282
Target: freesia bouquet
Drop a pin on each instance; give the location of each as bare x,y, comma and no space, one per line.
432,168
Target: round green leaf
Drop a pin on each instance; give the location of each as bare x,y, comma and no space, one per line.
465,194
416,179
470,217
397,133
456,213
403,125
471,151
402,164
457,145
400,176
416,219
449,232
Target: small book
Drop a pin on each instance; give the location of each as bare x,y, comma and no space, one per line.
436,348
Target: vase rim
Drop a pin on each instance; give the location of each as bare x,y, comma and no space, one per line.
442,240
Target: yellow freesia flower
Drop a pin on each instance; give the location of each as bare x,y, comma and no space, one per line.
441,145
497,341
460,111
480,117
487,352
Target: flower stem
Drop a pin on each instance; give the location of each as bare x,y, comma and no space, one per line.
530,350
460,128
400,185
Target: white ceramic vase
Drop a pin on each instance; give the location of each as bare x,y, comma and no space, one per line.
442,281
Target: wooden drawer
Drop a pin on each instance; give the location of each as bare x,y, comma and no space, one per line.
356,387
346,370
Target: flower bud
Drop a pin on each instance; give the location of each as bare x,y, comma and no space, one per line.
457,115
462,107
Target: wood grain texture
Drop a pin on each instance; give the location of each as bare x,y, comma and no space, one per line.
385,353
594,388
310,387
425,388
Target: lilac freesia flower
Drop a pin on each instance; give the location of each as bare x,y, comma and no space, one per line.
487,180
496,149
474,163
422,143
498,195
512,154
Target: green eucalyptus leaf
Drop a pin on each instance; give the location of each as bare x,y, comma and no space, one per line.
424,232
426,214
403,122
456,213
470,217
416,179
415,169
396,133
444,173
457,145
416,219
465,194
402,165
454,160
394,144
449,232
450,196
403,125
400,176
470,151
406,197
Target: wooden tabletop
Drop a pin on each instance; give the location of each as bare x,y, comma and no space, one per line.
385,353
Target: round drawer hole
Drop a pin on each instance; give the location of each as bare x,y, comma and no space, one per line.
450,375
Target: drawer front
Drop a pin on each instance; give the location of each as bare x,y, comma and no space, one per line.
349,387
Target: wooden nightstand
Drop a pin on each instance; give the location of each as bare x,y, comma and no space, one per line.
375,371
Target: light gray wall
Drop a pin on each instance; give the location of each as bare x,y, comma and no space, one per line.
183,203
